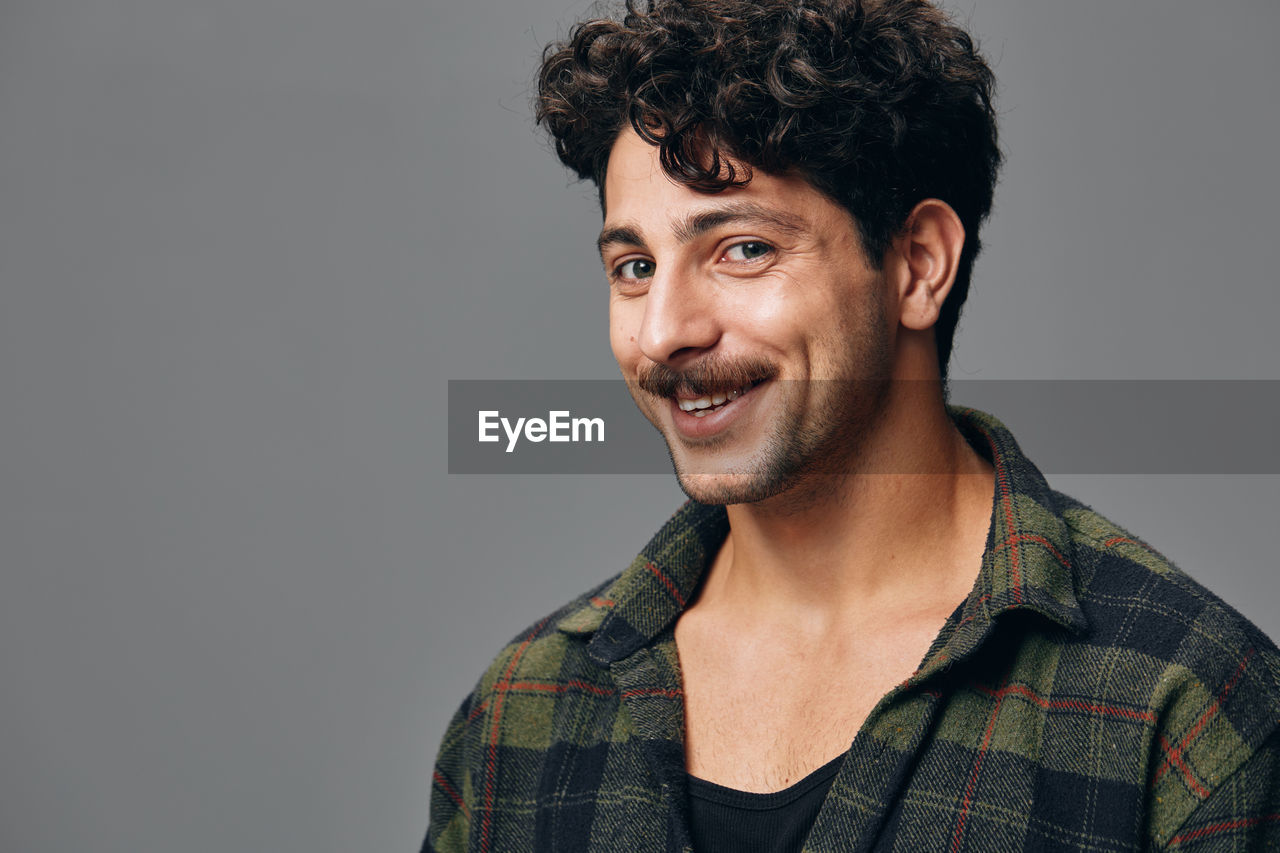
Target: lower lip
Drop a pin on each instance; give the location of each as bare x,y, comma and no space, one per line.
715,421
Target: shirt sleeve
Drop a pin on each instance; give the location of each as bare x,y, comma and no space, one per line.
449,824
1242,813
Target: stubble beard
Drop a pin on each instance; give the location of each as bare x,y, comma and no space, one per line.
817,431
802,461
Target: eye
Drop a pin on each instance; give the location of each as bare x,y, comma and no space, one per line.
635,269
748,251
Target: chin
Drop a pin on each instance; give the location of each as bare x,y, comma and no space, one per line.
713,489
735,487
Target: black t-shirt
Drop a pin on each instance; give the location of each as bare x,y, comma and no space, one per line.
724,820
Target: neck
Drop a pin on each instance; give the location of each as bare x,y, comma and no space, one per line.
879,539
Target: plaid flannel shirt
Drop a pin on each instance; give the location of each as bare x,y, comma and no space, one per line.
1090,696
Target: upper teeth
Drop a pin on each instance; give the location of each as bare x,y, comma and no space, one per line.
712,400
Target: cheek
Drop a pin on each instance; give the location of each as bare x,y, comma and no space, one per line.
785,310
623,327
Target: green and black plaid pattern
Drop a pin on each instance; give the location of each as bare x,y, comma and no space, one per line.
1087,696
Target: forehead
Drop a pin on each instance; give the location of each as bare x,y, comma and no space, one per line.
638,192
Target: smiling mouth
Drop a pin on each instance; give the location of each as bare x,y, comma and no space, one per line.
700,407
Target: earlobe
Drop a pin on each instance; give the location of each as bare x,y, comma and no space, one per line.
929,251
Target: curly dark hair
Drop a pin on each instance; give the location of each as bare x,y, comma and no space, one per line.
876,103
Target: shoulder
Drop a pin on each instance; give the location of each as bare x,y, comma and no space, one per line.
1138,599
1209,678
540,651
515,709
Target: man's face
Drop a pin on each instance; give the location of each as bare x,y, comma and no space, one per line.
733,315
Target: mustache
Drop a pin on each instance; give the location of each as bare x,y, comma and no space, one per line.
707,377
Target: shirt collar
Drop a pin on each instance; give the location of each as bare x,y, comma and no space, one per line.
1027,564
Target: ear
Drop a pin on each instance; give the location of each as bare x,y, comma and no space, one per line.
927,255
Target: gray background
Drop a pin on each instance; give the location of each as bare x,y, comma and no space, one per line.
244,245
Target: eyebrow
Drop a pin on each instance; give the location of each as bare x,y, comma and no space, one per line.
696,224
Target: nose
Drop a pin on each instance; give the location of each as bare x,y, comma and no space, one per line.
680,319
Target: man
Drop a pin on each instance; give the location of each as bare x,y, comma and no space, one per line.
874,626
